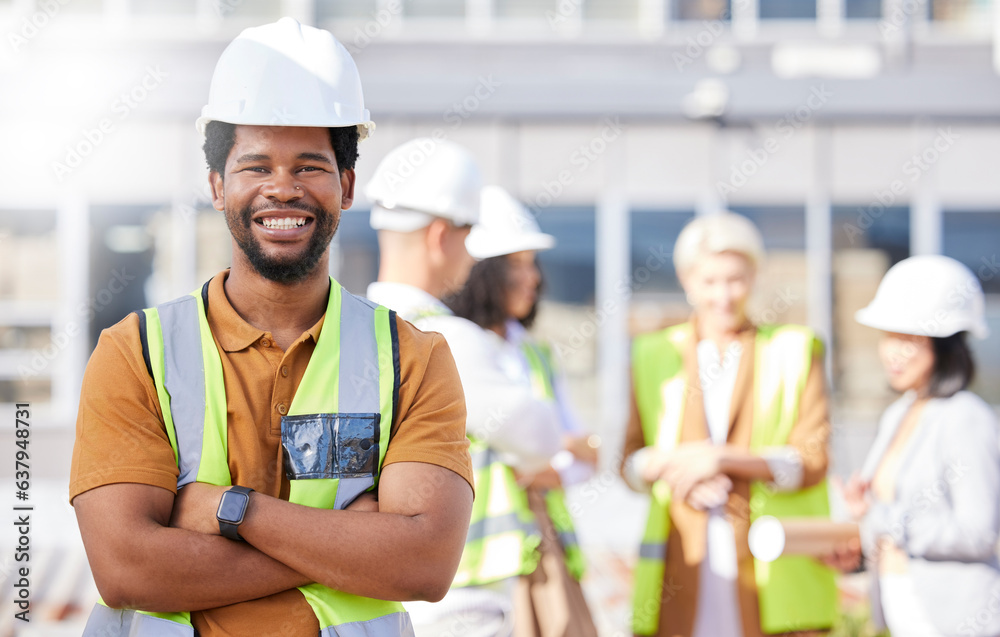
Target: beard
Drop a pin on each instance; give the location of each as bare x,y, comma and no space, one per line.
280,270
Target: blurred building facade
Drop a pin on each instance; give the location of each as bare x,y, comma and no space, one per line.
854,132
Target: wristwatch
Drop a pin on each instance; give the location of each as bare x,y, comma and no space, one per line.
232,510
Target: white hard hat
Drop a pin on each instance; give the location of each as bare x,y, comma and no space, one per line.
929,295
286,74
422,179
505,227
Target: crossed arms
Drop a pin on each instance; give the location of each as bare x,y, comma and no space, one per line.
143,560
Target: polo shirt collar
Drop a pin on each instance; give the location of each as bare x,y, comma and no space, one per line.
230,330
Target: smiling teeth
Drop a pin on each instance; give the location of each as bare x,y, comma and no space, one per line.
283,224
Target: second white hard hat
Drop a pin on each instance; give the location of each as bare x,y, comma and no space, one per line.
422,179
505,227
928,295
286,74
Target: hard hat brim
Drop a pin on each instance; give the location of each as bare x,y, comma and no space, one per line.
365,129
893,322
484,246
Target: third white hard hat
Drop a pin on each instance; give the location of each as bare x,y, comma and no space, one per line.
422,179
286,74
505,227
928,295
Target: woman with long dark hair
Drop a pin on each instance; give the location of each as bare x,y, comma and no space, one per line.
929,493
501,296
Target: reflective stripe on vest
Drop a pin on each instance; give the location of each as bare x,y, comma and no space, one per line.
503,538
543,381
795,593
347,392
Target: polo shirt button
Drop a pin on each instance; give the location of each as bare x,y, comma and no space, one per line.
282,409
284,370
265,343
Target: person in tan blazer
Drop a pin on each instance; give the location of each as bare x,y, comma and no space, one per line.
709,587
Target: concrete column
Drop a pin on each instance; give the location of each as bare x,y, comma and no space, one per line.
183,249
830,16
819,241
73,240
612,307
926,223
745,18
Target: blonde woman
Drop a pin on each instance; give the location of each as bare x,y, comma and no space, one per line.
728,422
929,492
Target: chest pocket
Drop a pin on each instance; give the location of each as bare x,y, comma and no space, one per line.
337,453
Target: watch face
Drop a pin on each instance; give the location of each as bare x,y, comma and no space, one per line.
232,507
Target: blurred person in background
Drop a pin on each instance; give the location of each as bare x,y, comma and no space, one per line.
728,422
929,492
426,196
501,296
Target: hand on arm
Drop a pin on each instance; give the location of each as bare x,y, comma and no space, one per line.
694,462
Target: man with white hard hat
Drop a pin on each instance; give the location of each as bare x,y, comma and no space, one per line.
319,438
425,197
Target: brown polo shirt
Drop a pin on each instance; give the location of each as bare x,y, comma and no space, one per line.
120,435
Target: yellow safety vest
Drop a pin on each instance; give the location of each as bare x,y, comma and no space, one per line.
795,593
346,401
543,381
503,537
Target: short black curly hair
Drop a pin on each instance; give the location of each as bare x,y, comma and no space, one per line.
220,137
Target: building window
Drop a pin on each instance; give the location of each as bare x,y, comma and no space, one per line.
653,236
151,7
611,10
868,228
781,289
787,9
524,8
783,227
29,294
340,9
434,8
863,9
569,268
974,239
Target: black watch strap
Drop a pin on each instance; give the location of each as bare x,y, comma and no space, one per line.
232,511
